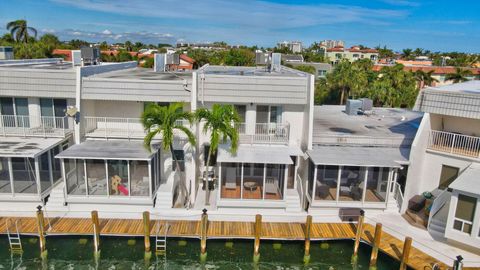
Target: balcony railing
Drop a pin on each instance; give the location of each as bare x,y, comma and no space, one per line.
264,133
454,143
116,127
35,126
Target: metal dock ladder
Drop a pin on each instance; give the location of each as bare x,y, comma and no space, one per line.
161,239
14,238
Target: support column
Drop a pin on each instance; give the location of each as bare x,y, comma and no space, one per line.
96,233
407,245
308,229
146,233
258,233
358,236
41,232
203,235
376,244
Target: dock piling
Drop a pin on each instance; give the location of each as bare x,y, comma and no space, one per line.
41,231
258,233
406,253
203,236
358,236
376,244
308,228
96,232
146,233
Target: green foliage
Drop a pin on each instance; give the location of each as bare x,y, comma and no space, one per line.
304,68
240,57
460,75
385,52
149,62
21,31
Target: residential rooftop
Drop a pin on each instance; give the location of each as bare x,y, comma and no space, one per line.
384,126
252,71
139,73
42,64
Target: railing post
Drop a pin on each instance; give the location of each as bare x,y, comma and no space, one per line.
105,125
203,235
23,127
128,128
358,236
41,231
96,232
453,142
146,234
42,122
258,233
2,122
308,229
376,244
406,253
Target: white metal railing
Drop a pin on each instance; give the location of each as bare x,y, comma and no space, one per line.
300,191
116,127
437,205
325,138
35,126
264,133
454,143
398,195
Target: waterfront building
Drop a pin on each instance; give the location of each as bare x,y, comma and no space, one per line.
329,43
293,46
336,54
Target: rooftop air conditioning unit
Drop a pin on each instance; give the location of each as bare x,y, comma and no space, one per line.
6,53
353,106
261,58
90,55
367,104
173,59
76,58
276,62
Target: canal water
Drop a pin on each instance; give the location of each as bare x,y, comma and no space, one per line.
128,253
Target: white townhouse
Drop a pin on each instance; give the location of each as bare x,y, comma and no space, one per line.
445,161
359,158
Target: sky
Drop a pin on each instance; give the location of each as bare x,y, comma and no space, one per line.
437,25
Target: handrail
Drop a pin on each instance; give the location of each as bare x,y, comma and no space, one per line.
35,126
454,143
300,190
268,133
398,195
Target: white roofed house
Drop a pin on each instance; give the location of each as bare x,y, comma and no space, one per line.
274,106
34,95
359,157
445,162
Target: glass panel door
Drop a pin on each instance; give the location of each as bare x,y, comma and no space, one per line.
21,109
262,114
59,109
46,111
8,111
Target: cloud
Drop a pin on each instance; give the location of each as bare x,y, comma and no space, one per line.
401,3
251,14
107,35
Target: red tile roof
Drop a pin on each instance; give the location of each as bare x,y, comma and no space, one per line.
436,69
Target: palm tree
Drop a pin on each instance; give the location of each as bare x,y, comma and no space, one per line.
221,121
164,121
19,29
407,54
460,75
424,78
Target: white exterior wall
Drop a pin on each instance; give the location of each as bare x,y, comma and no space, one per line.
294,114
467,126
472,239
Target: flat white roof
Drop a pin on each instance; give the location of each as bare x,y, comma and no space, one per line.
470,87
468,180
359,156
259,154
26,147
117,150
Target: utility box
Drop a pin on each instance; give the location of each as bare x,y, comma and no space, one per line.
90,55
353,106
6,53
367,104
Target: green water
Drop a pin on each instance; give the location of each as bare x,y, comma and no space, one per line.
127,253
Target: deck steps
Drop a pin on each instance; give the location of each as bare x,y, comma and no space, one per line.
417,219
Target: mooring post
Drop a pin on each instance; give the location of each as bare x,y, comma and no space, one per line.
203,236
458,264
358,236
41,231
308,229
376,244
96,232
258,233
146,233
406,253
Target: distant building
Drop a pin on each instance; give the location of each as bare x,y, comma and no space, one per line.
294,46
352,54
321,69
439,73
6,53
328,43
292,58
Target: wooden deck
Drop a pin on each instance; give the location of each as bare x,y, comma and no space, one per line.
223,229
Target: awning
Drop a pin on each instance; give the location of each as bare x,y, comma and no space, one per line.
117,150
359,156
259,154
468,180
26,147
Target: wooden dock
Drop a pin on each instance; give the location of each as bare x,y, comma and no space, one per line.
223,229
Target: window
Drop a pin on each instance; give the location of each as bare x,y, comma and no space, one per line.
352,183
464,213
338,56
321,73
356,55
24,180
269,114
15,111
447,176
139,178
4,176
274,181
75,176
377,182
96,177
231,180
180,157
326,183
241,110
118,177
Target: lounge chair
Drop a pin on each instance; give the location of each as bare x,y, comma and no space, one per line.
231,178
271,186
